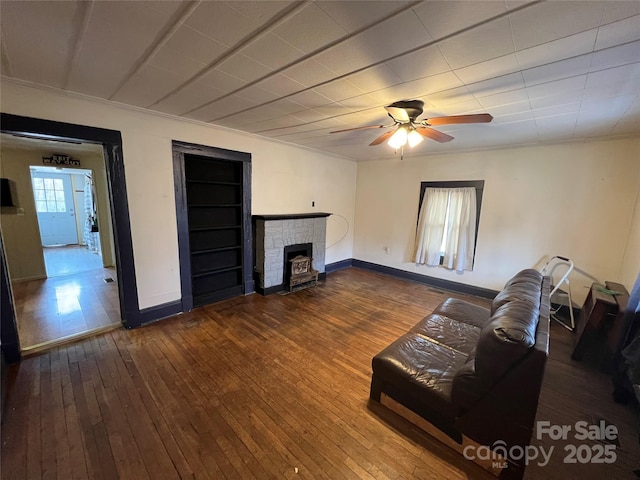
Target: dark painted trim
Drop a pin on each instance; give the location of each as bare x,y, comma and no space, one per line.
207,151
247,229
52,130
180,149
125,266
332,267
427,280
8,327
291,216
114,164
184,252
159,312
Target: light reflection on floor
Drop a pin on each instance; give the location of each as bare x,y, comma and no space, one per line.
67,298
67,305
70,259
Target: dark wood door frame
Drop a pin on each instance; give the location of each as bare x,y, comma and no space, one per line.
180,149
111,140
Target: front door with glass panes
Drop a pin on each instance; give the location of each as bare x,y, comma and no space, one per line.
54,206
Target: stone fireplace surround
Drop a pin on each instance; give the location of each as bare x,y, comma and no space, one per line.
274,232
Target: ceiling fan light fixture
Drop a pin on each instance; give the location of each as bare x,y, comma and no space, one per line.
414,138
398,139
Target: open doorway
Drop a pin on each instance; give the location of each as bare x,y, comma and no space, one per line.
110,142
61,265
65,200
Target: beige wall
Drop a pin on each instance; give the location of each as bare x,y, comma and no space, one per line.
631,259
285,178
576,200
20,230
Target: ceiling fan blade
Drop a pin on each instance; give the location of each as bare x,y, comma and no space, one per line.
434,134
455,119
398,114
366,127
382,138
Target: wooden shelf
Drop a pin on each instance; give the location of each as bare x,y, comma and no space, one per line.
218,249
216,271
218,205
215,182
214,200
212,228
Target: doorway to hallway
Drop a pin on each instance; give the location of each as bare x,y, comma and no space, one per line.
65,201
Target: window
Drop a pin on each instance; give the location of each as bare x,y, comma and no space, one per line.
49,195
449,214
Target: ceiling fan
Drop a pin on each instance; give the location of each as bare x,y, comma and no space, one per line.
409,130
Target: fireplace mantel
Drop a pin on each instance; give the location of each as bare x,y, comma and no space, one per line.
290,216
274,232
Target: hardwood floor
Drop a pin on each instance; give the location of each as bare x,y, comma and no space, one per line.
59,308
264,387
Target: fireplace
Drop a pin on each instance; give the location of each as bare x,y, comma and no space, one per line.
298,270
278,239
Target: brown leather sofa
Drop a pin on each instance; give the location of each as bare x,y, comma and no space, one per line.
473,373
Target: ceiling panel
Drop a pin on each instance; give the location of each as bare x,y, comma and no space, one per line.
118,51
557,70
619,32
272,51
483,43
190,43
443,18
221,22
187,99
419,64
27,41
563,48
355,16
546,71
548,21
488,69
310,29
147,85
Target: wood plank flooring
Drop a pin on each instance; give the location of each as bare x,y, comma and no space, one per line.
56,308
263,387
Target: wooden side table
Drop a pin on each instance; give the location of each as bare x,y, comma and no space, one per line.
597,320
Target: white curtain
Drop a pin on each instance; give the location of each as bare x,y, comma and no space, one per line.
448,215
431,223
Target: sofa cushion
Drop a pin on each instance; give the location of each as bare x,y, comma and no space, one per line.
525,285
528,275
463,311
443,330
507,337
421,368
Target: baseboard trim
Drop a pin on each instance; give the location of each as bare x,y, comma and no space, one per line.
426,280
155,313
28,279
332,267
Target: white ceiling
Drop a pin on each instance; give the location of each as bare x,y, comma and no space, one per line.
547,71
